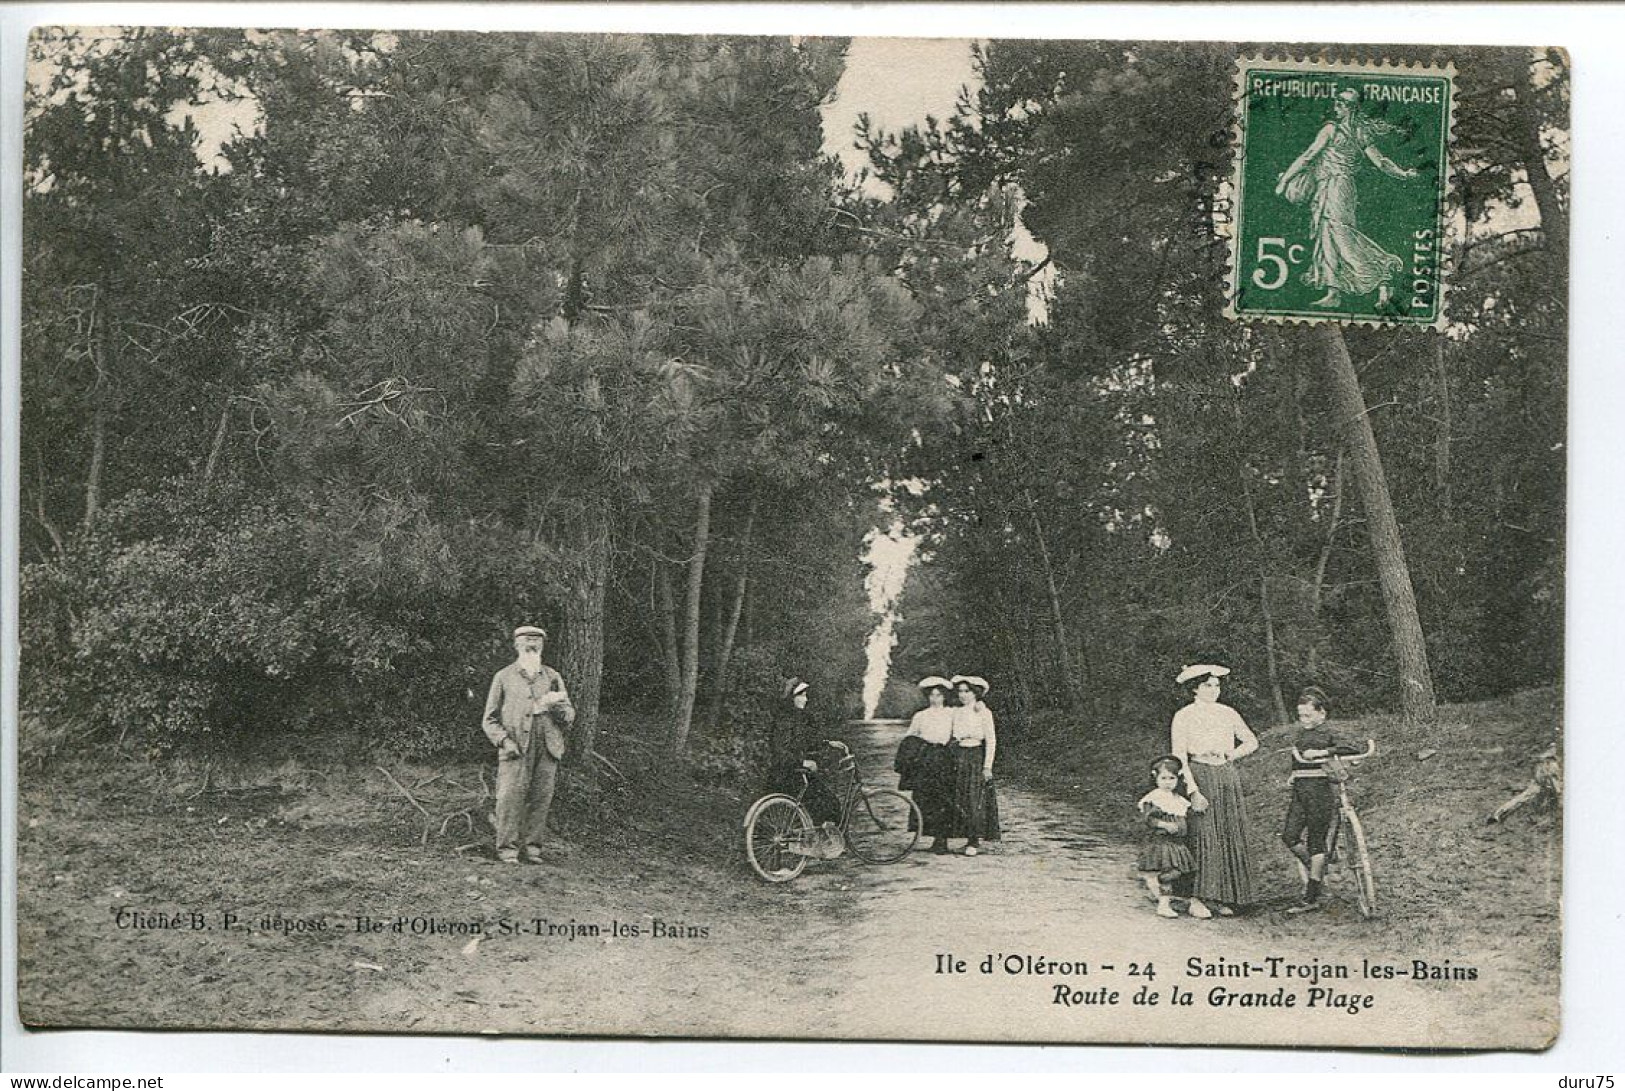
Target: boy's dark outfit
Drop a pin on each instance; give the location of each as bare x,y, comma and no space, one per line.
1313,807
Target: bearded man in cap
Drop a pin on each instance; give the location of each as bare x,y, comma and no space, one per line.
525,717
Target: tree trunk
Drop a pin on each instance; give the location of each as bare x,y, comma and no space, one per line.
584,634
101,339
1399,597
730,622
1022,684
669,656
41,515
1441,449
1071,685
1317,589
1264,599
1554,219
1300,420
691,622
1261,552
1270,658
575,291
98,458
212,463
1086,669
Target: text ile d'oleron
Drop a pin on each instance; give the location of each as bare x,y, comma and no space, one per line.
1270,981
643,927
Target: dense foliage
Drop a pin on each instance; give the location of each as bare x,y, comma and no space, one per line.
1143,484
460,331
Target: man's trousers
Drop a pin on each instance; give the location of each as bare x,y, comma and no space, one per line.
524,794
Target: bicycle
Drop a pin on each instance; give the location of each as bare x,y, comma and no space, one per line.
879,825
1348,819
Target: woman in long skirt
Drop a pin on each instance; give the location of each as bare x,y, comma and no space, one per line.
929,775
975,814
798,742
1210,738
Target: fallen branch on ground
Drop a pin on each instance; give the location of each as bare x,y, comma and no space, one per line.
458,809
1546,780
402,789
610,766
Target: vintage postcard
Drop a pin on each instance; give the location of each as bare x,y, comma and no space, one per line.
793,537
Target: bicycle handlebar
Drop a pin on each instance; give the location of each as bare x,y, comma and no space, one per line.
1370,749
846,761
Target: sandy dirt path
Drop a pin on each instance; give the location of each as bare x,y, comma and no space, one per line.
855,951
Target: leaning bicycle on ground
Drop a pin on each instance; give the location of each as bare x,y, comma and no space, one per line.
879,825
1348,855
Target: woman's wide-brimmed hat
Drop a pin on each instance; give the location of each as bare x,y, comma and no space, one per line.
934,681
974,681
795,686
1200,670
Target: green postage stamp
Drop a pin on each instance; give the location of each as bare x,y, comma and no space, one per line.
1341,175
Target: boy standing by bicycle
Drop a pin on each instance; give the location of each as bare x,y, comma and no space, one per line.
1313,806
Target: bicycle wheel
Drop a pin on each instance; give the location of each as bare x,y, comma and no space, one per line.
775,827
1359,862
878,826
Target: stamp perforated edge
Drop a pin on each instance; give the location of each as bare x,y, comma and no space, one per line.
1335,64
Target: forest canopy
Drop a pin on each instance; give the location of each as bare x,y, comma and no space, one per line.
589,331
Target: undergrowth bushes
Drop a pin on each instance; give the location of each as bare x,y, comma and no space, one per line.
192,617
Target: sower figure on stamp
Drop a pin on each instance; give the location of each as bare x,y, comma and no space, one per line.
1345,259
525,716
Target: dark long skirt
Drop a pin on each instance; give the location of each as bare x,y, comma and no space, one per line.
1218,837
974,809
933,789
821,803
1166,856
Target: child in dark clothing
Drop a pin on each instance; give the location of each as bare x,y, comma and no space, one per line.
1164,856
1313,806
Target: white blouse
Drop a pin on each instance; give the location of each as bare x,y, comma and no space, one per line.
934,725
974,726
1210,733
